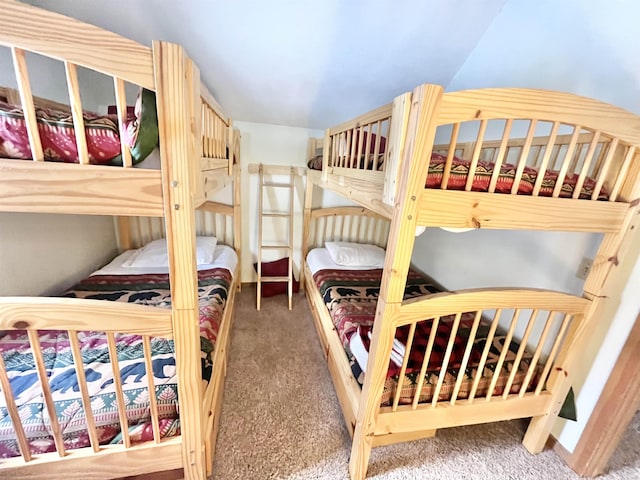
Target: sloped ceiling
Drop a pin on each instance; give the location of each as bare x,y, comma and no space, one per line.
303,63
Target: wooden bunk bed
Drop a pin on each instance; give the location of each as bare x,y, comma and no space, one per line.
583,175
199,155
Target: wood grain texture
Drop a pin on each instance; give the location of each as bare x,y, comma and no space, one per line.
175,78
58,313
544,105
70,40
451,208
112,461
463,413
96,190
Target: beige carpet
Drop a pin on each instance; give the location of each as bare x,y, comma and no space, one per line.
281,418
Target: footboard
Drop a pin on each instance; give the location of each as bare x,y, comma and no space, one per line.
475,356
78,318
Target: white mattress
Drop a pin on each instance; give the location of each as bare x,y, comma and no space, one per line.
223,257
319,259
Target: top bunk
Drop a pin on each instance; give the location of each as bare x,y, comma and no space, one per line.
505,158
62,158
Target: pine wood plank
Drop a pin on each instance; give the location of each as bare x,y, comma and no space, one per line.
175,78
76,314
76,42
451,208
112,461
97,190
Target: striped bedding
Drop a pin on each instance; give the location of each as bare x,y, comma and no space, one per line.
150,289
351,298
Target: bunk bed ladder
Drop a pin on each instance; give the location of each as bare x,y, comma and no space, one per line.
265,185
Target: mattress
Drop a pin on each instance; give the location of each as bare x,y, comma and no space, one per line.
351,299
142,288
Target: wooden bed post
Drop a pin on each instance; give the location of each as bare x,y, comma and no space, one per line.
237,218
424,107
603,286
306,225
175,77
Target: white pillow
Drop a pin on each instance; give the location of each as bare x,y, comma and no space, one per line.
154,254
356,254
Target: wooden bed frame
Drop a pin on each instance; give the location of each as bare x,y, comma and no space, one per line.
397,192
197,149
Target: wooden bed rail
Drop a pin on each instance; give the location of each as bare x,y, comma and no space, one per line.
38,314
76,44
526,334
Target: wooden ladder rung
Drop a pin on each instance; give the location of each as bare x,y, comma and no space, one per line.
276,214
275,247
277,185
274,279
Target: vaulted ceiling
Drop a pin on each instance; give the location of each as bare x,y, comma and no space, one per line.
303,63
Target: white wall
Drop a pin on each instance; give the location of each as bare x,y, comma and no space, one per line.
575,46
45,254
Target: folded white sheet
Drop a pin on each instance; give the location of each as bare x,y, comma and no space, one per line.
223,257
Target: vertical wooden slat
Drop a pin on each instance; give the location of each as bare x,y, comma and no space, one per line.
359,157
542,169
84,391
465,357
485,354
14,414
523,345
502,150
536,355
367,148
403,369
445,360
604,169
335,145
376,149
352,149
36,350
566,161
586,164
524,154
153,401
28,107
503,353
554,351
446,173
117,381
425,361
121,106
622,174
76,111
476,155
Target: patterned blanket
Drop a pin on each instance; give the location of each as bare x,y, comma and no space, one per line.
152,290
351,297
482,177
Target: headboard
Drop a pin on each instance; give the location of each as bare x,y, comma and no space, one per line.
348,224
212,219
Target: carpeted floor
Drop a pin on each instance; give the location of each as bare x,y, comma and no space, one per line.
281,418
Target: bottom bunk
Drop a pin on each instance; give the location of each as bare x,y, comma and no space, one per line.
93,411
444,358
